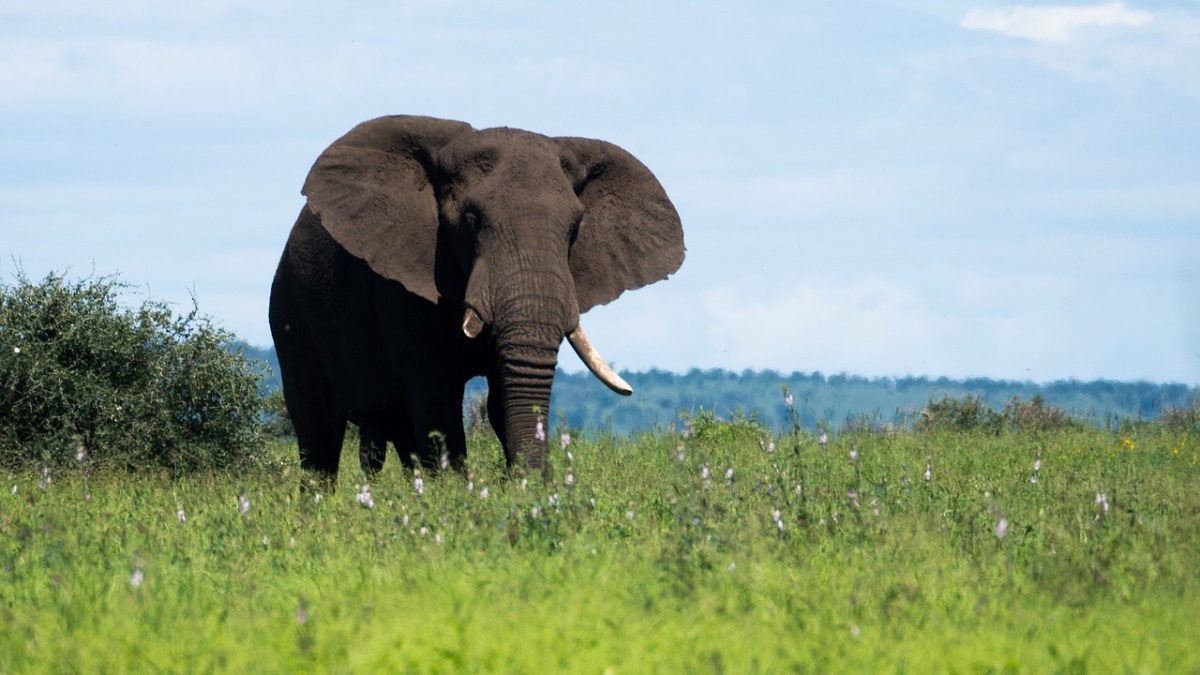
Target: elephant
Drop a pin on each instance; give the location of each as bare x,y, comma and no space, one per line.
429,252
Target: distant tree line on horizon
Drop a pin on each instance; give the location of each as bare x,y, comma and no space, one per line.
663,398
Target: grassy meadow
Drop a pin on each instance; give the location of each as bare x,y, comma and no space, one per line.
724,549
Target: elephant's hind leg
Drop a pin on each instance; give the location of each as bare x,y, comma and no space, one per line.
320,426
321,448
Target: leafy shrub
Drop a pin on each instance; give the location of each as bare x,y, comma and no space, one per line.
278,423
1036,415
707,427
1182,418
971,413
84,379
968,413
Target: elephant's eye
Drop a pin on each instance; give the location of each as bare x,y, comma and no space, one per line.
471,219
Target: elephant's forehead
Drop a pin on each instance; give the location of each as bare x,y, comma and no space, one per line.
502,143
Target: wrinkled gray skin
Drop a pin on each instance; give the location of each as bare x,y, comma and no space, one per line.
430,252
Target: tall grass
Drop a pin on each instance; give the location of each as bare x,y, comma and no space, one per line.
718,549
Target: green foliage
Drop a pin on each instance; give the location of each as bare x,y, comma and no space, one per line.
83,380
871,552
1036,414
706,427
278,423
1182,418
968,413
971,413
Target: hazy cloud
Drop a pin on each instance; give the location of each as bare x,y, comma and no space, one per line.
1053,23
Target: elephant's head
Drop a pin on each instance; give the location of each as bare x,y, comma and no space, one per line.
522,232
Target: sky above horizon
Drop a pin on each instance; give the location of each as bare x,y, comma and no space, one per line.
876,188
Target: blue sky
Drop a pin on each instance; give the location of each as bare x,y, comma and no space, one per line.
877,188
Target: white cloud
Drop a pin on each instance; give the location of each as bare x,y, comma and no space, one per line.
1053,23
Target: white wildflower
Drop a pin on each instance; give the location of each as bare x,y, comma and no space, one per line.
136,579
364,496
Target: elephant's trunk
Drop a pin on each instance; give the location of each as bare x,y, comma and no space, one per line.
527,355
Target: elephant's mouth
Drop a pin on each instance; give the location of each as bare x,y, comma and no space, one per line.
473,324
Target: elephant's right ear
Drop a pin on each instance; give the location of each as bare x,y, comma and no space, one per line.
373,193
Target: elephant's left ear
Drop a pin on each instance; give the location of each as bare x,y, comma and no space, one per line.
630,235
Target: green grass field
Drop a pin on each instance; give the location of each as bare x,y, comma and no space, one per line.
719,552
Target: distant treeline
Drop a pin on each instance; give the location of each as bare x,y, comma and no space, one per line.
661,398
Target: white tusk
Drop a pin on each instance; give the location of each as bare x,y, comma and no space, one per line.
596,364
472,323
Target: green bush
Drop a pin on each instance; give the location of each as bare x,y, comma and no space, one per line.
707,427
278,422
971,413
85,380
1182,418
968,413
1037,415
